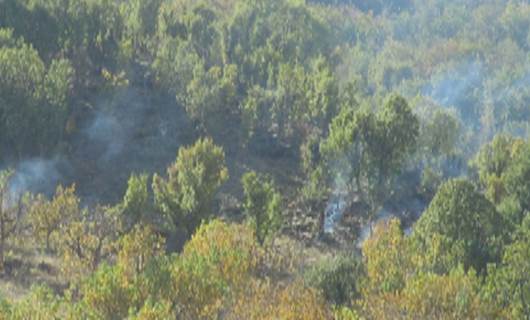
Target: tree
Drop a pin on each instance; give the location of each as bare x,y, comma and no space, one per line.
210,98
465,222
455,295
33,98
47,216
507,288
493,161
217,261
86,240
11,210
261,205
263,299
296,103
386,258
185,197
345,148
340,280
137,249
393,138
516,180
155,310
439,134
135,206
367,150
106,295
40,303
140,22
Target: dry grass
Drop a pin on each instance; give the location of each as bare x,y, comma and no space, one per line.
26,266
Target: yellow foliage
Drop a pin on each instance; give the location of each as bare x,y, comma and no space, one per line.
155,311
262,300
385,256
137,248
86,241
230,247
429,296
47,216
215,262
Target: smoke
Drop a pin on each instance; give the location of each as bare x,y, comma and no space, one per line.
339,199
334,213
37,176
449,88
107,131
128,131
366,229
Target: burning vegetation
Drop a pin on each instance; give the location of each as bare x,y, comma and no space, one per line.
264,159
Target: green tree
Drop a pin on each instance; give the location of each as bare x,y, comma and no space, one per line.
517,183
86,241
11,209
439,134
214,265
386,257
340,279
185,197
465,222
393,138
140,22
137,249
345,148
106,295
493,161
507,289
136,204
33,98
46,216
455,295
40,303
262,204
210,98
367,150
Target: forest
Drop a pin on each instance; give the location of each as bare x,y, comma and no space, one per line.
264,159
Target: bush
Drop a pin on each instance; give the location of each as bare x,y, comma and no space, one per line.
338,280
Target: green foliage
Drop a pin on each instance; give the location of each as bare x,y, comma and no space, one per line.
366,149
262,205
215,262
508,285
33,99
47,217
85,241
465,222
137,249
452,296
210,97
11,210
186,196
105,295
386,258
493,162
431,180
154,310
140,22
516,180
439,135
300,83
40,303
340,279
136,205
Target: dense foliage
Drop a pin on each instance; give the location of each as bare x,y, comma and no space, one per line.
264,159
